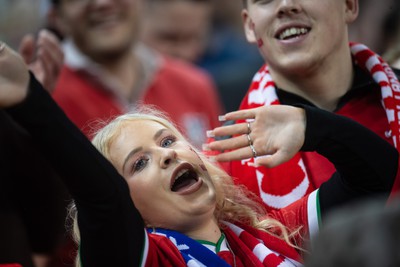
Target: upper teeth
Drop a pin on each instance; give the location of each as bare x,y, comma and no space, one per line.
292,31
180,173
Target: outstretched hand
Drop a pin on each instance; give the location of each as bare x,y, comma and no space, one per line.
14,77
273,135
44,57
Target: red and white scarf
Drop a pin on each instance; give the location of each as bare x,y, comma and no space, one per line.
250,246
258,248
274,189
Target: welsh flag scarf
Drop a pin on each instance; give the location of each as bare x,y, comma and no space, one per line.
281,186
253,247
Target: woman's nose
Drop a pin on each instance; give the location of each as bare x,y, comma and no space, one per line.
168,156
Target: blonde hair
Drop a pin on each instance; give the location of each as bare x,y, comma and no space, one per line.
234,203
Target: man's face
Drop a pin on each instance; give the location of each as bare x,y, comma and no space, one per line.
100,27
296,35
177,28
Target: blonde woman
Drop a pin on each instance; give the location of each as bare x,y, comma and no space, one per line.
150,199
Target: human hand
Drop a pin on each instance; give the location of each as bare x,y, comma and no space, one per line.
14,77
274,135
44,57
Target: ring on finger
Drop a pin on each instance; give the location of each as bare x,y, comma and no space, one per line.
249,139
248,128
253,150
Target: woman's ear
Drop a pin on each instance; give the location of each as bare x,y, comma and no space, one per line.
248,25
351,10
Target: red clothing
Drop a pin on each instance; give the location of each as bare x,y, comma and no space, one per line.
160,251
282,185
184,92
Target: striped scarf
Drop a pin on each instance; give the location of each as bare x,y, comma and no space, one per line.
263,92
249,245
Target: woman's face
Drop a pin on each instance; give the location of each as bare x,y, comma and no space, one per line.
168,181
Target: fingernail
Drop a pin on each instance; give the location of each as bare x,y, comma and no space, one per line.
212,158
221,118
205,147
210,134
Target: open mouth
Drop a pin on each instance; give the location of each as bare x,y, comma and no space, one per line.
184,179
292,32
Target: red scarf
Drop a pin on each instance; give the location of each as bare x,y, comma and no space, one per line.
281,186
258,248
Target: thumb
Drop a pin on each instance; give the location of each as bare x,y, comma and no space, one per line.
271,161
27,48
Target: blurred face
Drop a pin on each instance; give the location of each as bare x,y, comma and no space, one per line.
295,35
168,182
177,28
100,28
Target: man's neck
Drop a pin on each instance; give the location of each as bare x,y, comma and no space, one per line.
125,69
323,86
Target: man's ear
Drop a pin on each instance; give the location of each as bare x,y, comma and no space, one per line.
351,10
248,27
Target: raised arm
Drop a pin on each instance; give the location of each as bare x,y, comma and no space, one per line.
365,163
110,225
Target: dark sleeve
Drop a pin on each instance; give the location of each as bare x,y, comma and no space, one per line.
366,165
111,229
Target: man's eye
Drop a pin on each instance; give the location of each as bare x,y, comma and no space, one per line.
262,1
168,141
140,164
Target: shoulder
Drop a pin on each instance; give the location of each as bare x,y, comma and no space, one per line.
69,80
161,252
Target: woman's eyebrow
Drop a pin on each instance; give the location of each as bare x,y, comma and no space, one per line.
158,133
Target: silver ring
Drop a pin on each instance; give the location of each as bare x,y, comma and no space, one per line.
253,150
249,139
248,128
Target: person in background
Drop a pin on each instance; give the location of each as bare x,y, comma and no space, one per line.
230,59
392,30
206,33
362,234
179,28
32,200
108,70
373,26
309,60
146,197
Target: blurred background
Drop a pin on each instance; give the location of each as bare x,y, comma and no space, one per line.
216,43
19,17
212,36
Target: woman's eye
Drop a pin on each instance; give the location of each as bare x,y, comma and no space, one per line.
140,164
166,142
